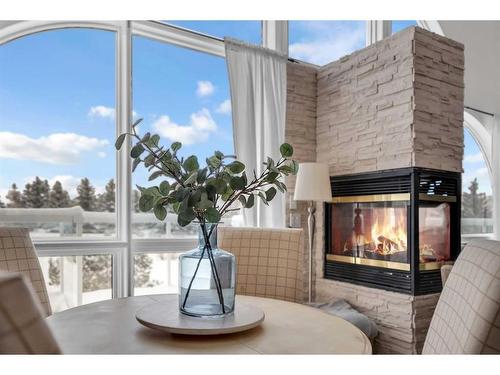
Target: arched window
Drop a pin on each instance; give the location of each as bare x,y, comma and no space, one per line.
477,197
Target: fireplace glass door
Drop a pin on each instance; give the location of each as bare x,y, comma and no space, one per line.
371,233
434,234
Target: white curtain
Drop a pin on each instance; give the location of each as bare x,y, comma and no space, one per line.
257,77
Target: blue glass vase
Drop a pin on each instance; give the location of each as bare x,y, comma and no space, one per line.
207,277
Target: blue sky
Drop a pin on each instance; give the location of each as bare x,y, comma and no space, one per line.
57,97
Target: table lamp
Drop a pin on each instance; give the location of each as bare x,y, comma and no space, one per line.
312,185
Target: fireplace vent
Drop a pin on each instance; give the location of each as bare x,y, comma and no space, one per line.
437,185
382,182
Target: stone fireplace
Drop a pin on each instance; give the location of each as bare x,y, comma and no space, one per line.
395,106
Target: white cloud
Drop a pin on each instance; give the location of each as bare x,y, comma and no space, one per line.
57,148
474,158
326,42
205,88
200,126
102,111
101,154
106,112
224,107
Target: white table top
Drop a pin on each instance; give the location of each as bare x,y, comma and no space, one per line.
110,327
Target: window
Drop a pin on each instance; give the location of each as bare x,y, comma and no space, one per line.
183,96
477,199
57,130
321,42
156,273
248,31
75,280
402,24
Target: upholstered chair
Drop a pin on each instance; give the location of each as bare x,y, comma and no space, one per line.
23,329
270,262
17,254
467,316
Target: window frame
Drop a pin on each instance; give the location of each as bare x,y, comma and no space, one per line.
123,247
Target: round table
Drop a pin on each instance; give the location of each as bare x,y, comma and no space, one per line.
110,327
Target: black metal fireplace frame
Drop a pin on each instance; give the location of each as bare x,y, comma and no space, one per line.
420,184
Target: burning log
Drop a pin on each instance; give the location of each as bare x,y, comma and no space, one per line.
391,243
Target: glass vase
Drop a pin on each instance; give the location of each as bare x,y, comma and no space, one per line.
207,277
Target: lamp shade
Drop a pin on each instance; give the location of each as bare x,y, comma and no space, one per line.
313,183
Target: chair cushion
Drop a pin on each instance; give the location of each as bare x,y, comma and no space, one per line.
467,316
23,329
17,254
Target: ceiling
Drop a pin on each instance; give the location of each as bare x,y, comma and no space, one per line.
482,61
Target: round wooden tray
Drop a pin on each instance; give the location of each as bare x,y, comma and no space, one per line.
165,316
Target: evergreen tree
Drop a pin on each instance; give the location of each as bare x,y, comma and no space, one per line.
475,204
86,198
54,271
96,272
143,264
106,201
59,197
137,195
2,205
36,194
14,197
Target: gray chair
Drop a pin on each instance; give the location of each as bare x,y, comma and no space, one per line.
467,316
17,254
23,329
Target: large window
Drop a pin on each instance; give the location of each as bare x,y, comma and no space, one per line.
183,96
57,129
477,199
321,42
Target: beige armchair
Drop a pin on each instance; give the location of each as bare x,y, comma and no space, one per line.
17,254
270,262
467,316
23,329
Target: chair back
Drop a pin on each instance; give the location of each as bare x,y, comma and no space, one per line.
23,329
270,262
467,316
17,254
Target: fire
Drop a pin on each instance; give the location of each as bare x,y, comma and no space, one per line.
389,233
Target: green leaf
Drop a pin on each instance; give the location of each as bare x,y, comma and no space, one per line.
185,217
164,187
219,184
191,163
243,200
285,169
153,190
119,141
154,175
263,198
181,194
202,176
212,215
175,146
146,137
160,211
194,198
236,166
280,185
204,202
214,162
149,160
295,167
210,191
136,162
136,151
286,150
154,140
219,154
237,183
250,201
146,202
271,177
270,193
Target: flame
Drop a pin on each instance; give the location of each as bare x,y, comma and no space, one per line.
388,231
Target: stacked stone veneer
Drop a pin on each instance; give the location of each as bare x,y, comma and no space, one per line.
397,103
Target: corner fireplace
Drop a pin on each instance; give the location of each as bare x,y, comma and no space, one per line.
393,229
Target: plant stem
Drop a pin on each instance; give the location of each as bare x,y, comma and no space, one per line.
196,270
